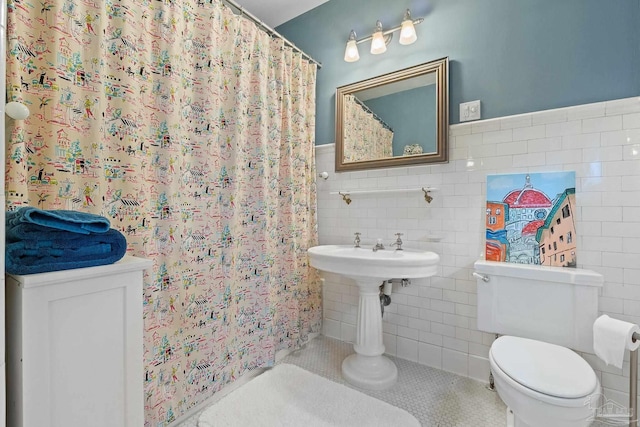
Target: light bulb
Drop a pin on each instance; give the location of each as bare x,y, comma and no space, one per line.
408,31
351,52
378,44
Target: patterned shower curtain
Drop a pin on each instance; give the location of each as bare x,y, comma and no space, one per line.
366,137
192,130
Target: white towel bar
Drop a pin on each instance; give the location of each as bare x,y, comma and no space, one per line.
346,194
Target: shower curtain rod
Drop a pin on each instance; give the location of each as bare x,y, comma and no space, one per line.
375,116
270,30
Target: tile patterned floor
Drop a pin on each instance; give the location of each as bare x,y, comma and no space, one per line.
436,398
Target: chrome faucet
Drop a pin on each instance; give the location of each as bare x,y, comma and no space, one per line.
378,246
398,242
356,241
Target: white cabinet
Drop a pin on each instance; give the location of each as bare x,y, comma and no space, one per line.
74,347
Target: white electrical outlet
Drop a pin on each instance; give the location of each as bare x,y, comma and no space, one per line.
470,111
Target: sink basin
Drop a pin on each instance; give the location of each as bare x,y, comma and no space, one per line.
368,368
383,264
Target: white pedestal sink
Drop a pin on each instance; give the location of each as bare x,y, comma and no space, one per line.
368,368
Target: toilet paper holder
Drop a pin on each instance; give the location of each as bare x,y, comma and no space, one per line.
633,383
616,358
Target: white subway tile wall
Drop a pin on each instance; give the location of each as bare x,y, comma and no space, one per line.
433,321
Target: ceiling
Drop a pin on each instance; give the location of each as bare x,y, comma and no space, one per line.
276,12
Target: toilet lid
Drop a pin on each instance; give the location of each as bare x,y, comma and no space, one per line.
543,367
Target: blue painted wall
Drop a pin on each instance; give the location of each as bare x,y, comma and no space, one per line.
412,115
516,56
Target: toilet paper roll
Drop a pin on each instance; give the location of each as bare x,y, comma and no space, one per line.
611,337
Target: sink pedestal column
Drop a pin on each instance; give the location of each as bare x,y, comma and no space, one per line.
368,368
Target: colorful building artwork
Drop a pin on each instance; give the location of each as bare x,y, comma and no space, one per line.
556,236
529,218
496,224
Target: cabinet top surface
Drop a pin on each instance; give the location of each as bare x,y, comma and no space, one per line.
126,264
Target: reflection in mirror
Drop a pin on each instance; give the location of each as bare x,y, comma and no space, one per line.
399,118
366,135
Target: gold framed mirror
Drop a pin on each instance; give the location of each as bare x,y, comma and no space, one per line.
396,119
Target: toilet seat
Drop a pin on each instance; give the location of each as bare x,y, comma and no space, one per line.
545,371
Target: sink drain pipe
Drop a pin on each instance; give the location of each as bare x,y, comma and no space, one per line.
385,295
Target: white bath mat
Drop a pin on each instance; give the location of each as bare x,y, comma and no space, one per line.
290,396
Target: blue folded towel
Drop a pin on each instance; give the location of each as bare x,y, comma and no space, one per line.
29,231
77,222
54,250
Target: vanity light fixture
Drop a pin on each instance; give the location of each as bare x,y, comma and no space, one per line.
381,38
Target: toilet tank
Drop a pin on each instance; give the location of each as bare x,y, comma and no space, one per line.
552,304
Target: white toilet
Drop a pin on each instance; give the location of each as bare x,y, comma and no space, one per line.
542,312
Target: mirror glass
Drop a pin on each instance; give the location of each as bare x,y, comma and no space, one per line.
396,119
